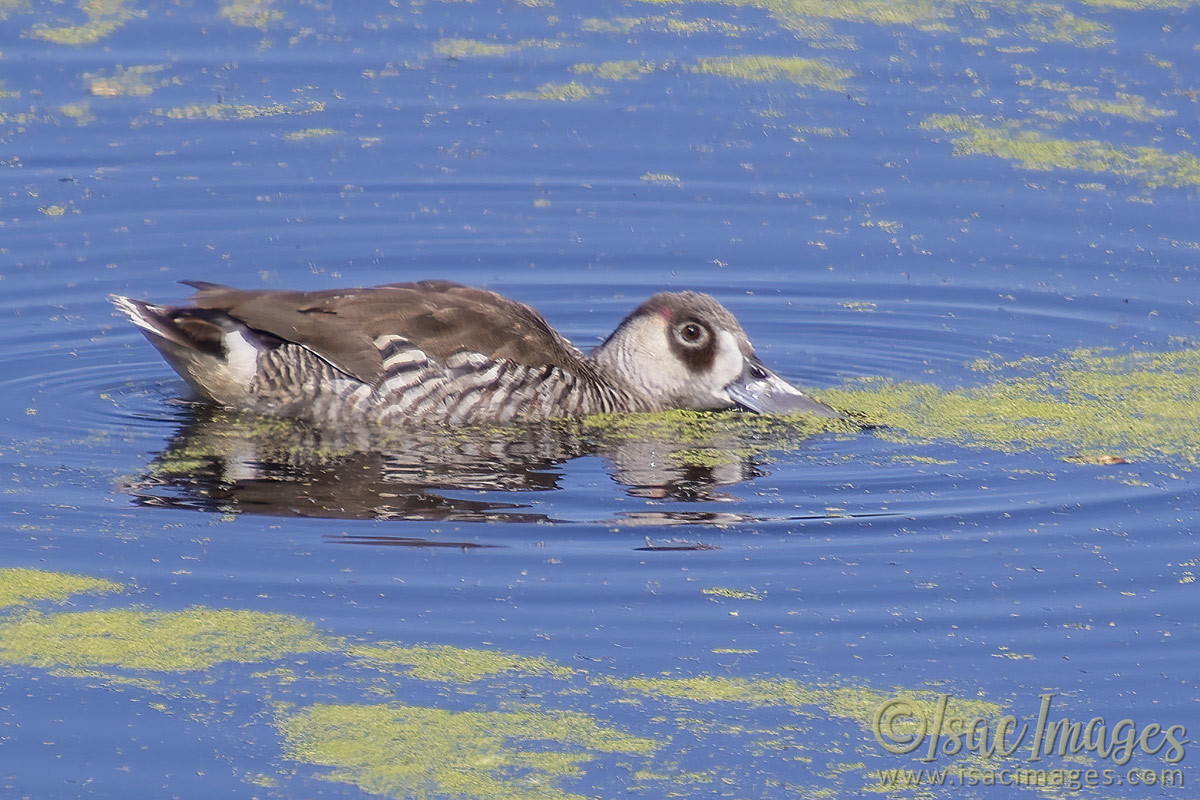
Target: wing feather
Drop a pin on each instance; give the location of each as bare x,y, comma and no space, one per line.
439,317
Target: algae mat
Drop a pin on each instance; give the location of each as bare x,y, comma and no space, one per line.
1087,403
510,730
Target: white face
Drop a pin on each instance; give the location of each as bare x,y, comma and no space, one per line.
684,363
728,366
688,358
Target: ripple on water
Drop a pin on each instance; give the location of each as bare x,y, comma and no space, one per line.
901,359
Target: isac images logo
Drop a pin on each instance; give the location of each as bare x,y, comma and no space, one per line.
929,732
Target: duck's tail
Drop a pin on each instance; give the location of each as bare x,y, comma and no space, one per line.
214,353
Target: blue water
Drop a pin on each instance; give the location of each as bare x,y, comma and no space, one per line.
340,145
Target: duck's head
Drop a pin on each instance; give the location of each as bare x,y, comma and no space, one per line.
685,350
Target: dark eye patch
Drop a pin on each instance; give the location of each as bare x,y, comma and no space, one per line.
693,343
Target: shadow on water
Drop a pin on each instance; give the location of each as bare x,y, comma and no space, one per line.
219,461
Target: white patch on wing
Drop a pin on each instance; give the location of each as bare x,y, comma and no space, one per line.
412,355
241,356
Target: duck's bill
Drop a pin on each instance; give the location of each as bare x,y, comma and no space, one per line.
762,391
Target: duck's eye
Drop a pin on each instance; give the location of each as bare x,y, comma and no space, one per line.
692,333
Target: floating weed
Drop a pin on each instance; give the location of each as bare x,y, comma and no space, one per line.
250,13
801,71
439,662
104,17
848,702
1039,22
233,111
556,91
1039,151
879,12
309,133
661,177
1129,106
474,48
662,24
1059,25
616,70
732,594
411,751
1138,5
701,438
193,639
522,751
22,586
124,81
1088,402
463,48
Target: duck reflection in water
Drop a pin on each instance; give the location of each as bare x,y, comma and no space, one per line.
417,392
223,461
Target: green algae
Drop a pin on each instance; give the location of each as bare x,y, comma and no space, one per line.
661,177
418,752
1035,150
439,662
462,48
800,71
878,12
309,133
816,130
193,639
675,25
1086,402
21,586
474,48
701,438
80,112
233,111
401,750
751,691
561,92
848,702
732,594
1051,22
124,81
1066,27
1130,106
629,70
250,13
104,17
676,778
663,24
1139,5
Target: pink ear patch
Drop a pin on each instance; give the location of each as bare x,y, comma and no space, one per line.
664,312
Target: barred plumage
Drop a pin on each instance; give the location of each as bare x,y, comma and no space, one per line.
440,352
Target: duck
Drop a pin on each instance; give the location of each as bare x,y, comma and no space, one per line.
435,351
